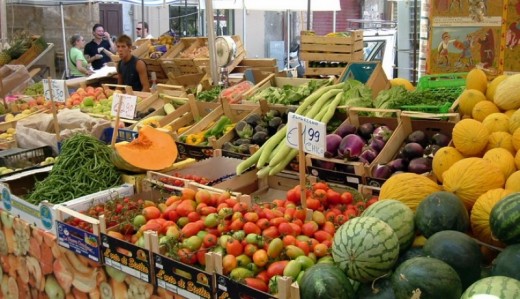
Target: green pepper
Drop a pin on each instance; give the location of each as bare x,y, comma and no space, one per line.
218,129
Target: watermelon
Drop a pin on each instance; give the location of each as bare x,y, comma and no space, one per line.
497,286
507,263
410,253
426,278
325,281
504,219
459,251
365,248
399,216
441,211
378,289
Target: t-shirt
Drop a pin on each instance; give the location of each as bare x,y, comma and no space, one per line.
149,36
75,55
91,49
128,71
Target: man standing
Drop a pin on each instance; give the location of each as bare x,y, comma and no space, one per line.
142,31
98,49
131,71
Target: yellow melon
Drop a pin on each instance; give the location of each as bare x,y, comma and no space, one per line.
516,139
503,159
514,121
409,188
492,86
509,113
444,158
477,79
402,82
501,140
470,137
483,109
517,160
513,182
496,122
506,95
479,217
468,99
471,177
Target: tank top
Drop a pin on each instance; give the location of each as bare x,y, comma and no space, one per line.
128,71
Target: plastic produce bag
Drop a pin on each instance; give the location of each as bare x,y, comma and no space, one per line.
39,131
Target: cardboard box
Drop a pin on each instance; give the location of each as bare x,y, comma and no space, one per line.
370,73
396,142
43,215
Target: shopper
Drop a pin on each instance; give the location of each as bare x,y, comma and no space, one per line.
130,70
97,51
142,30
78,64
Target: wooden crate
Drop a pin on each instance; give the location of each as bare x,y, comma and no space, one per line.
324,48
261,64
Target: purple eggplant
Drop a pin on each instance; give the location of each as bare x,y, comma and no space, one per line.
381,171
325,164
350,147
365,130
345,128
412,150
440,139
382,132
418,136
368,155
398,164
420,165
376,144
332,141
431,149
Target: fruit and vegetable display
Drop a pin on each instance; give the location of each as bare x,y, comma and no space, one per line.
288,94
195,52
215,130
233,94
160,46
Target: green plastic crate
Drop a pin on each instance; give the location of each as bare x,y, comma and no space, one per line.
442,81
445,108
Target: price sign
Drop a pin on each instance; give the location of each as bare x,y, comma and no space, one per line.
59,92
128,105
313,134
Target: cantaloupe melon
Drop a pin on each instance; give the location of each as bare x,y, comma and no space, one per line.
492,87
503,159
477,79
516,139
507,96
514,121
483,109
513,182
470,137
501,140
468,99
409,188
402,82
444,158
496,122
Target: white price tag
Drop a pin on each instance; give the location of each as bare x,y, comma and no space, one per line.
128,105
59,91
313,134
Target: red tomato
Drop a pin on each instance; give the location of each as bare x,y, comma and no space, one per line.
186,256
271,232
350,213
263,276
263,223
322,235
340,219
193,216
333,197
251,216
300,214
297,229
209,240
321,195
250,249
251,228
329,227
289,240
303,246
320,186
234,247
285,229
190,229
276,268
330,216
201,256
346,198
240,207
371,201
309,228
151,212
277,221
256,283
313,204
293,196
237,224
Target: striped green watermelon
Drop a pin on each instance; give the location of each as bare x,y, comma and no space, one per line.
325,281
504,219
426,278
507,263
400,218
500,286
365,248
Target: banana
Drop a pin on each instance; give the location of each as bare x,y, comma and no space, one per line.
56,251
77,264
106,291
85,282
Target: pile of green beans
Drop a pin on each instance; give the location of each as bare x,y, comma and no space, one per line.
83,167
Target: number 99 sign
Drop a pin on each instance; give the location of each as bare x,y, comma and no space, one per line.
127,108
313,134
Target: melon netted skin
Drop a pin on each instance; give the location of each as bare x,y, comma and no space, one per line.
365,248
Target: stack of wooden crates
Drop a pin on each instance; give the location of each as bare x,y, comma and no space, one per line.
329,55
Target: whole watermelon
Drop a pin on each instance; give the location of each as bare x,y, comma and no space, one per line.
426,278
504,219
365,248
507,263
497,286
325,281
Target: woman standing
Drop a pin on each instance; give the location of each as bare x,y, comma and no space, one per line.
79,65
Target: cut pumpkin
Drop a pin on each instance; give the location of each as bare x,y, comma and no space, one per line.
151,150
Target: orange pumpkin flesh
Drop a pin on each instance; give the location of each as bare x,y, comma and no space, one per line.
151,150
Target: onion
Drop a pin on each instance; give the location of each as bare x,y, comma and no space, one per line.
382,132
350,146
376,144
345,128
332,142
381,171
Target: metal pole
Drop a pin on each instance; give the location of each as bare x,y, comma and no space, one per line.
334,21
3,23
308,15
142,19
414,75
65,52
211,41
288,37
244,23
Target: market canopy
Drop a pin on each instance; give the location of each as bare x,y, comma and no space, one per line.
275,5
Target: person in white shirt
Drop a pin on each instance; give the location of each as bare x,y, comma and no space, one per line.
142,31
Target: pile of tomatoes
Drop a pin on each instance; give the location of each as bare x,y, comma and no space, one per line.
177,179
259,243
118,212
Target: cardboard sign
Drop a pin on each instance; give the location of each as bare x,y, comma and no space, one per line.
58,88
78,240
128,105
313,133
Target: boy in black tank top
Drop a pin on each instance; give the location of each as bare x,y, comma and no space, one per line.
130,70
